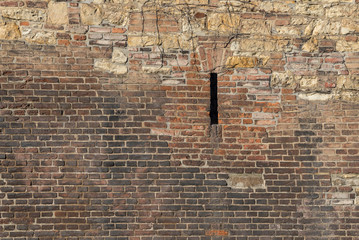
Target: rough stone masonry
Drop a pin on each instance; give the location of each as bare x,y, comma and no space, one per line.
106,131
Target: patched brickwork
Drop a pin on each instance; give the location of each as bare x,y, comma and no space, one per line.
106,133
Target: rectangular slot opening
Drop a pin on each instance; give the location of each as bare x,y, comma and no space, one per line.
214,98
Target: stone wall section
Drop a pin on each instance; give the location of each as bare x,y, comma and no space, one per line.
105,130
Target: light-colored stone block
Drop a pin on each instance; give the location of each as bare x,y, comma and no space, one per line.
57,13
109,66
91,14
223,22
9,31
118,56
245,181
23,14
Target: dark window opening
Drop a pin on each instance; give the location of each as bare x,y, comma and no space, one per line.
214,99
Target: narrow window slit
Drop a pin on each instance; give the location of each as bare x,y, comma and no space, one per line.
214,99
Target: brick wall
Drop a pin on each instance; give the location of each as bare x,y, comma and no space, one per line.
105,129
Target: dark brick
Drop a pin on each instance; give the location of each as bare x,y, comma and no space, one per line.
304,133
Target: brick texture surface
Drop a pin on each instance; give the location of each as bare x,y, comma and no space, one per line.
105,130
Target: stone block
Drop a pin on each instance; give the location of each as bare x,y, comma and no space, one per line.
156,69
178,41
116,13
39,37
345,46
288,30
315,96
192,1
23,14
349,26
109,66
9,31
311,45
118,56
346,10
282,7
57,13
245,181
91,14
342,201
223,22
142,41
309,9
167,41
241,62
307,83
322,27
349,96
345,179
255,45
347,82
255,26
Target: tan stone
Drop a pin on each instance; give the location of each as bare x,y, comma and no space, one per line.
282,7
119,2
194,26
91,14
39,37
173,82
342,201
254,45
118,56
248,45
345,179
307,83
167,41
337,1
344,46
57,13
315,96
321,27
192,1
289,80
245,181
223,22
349,96
299,20
283,79
288,30
282,45
142,41
178,41
116,13
241,62
348,82
109,66
118,68
309,9
349,26
309,28
157,69
23,14
264,59
346,10
9,31
254,26
311,45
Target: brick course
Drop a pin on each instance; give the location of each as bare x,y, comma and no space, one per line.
105,130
